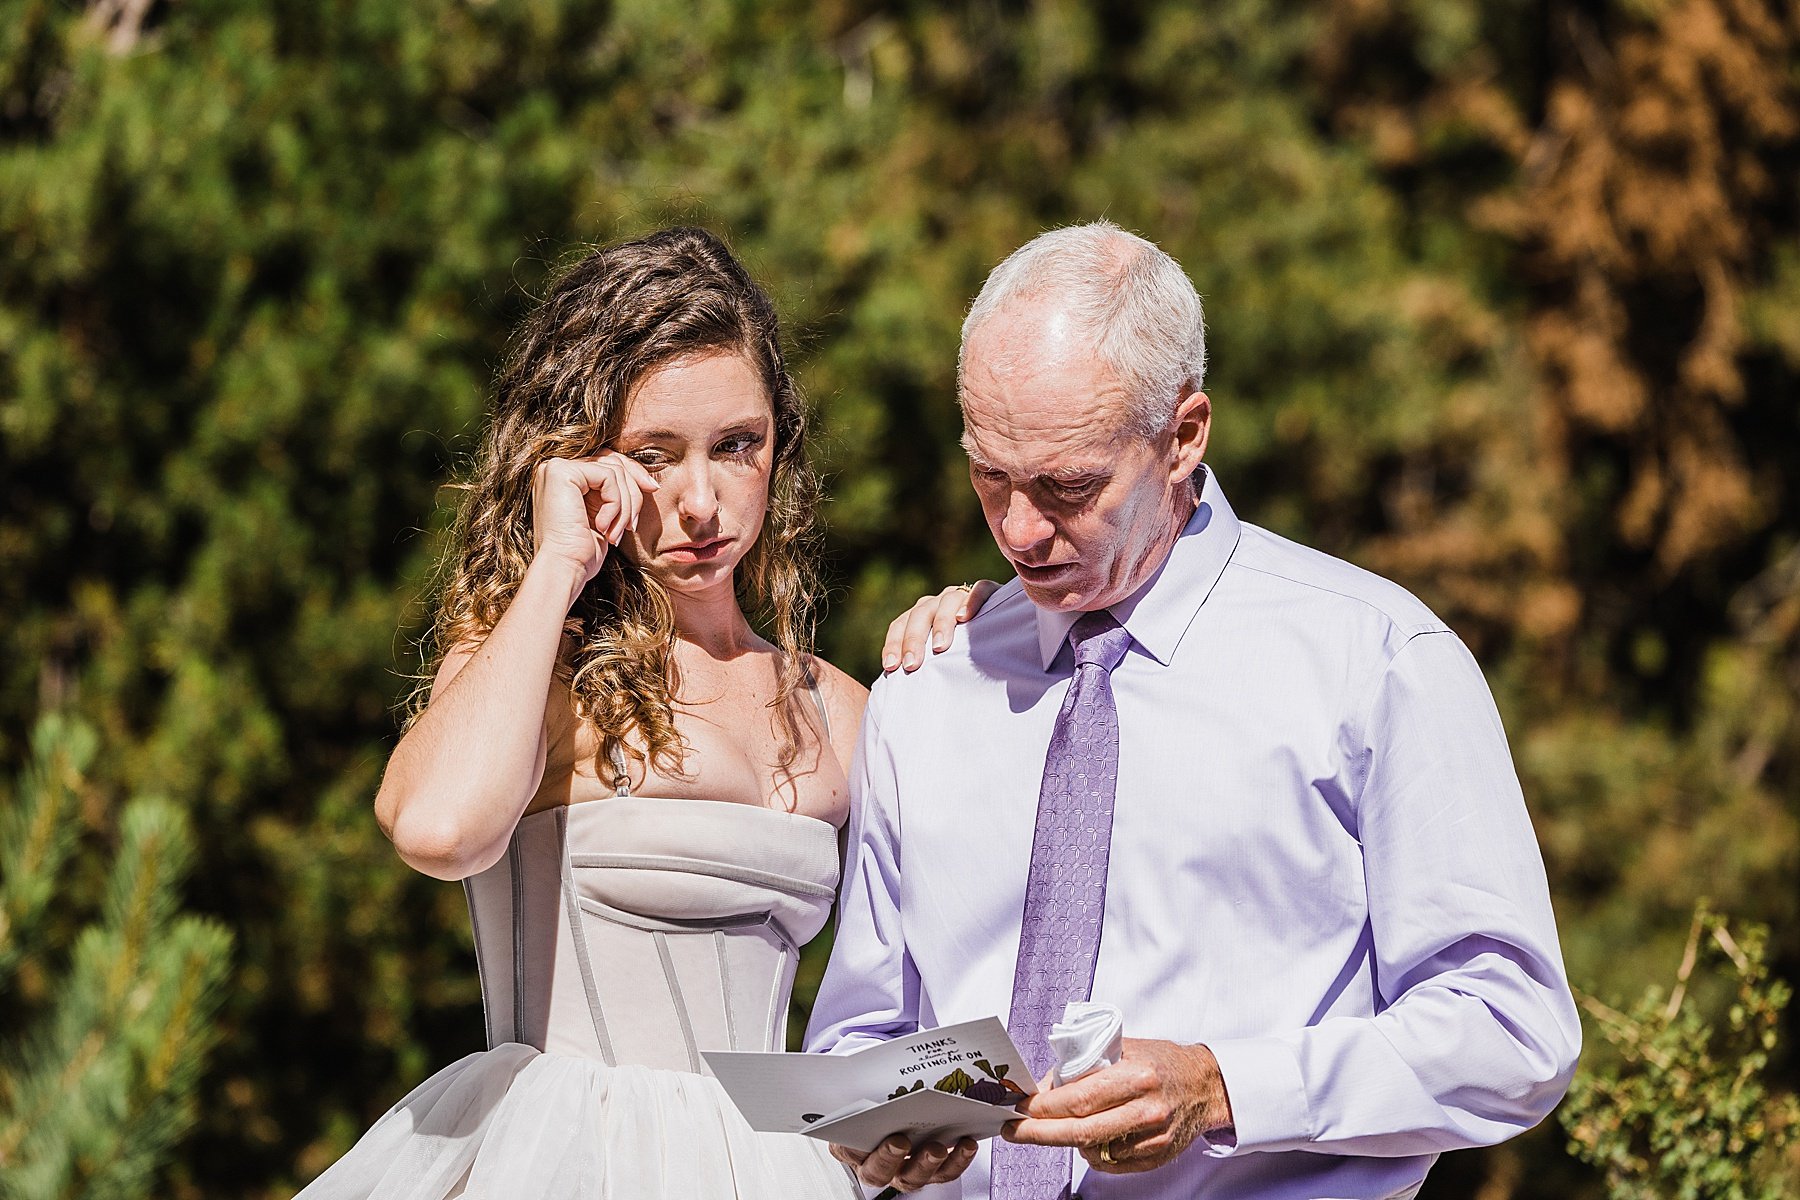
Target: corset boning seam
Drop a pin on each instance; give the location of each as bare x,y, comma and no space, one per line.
678,1000
701,866
776,1039
514,868
481,974
660,928
572,907
731,1038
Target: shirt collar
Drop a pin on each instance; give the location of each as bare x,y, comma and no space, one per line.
1158,614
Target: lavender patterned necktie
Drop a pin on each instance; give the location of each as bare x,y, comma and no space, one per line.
1065,891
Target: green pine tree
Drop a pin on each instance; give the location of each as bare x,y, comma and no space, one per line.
108,1022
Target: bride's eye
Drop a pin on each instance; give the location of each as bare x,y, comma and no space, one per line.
739,444
651,459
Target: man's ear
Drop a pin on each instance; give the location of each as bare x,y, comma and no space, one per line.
1193,424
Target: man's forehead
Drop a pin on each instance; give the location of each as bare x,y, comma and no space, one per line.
1030,332
1062,450
1035,355
1036,397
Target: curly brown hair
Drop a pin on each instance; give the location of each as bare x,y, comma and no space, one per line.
604,324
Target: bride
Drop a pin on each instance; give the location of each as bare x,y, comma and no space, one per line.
641,795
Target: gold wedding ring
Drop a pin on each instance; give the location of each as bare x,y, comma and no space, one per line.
1106,1154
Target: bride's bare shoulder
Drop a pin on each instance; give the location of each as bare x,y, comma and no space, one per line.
845,700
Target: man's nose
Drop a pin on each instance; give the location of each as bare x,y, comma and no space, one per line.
1024,526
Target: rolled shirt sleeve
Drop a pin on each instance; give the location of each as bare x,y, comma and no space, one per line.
1477,1034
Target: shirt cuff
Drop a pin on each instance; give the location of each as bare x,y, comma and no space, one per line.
1269,1109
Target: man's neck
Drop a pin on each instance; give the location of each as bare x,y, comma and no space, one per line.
1183,500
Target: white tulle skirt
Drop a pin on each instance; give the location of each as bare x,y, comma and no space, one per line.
513,1122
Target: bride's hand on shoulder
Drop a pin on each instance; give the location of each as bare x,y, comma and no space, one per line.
582,507
933,619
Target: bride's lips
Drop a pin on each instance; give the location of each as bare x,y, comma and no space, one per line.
697,551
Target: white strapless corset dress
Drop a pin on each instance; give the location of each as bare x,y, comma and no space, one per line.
617,939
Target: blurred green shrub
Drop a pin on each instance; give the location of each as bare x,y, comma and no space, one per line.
1682,1108
106,1024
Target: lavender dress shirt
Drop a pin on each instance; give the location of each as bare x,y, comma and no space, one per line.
1321,867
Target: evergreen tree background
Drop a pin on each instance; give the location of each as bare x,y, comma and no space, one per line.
101,1054
1504,299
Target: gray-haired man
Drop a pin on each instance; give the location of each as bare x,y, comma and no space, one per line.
1256,797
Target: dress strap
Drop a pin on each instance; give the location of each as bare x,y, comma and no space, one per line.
621,776
812,685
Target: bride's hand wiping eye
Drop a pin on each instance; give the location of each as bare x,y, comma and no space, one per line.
580,508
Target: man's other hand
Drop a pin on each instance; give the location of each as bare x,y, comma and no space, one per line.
933,619
896,1164
1136,1115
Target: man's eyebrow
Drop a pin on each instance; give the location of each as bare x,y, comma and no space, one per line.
1082,474
968,447
1076,476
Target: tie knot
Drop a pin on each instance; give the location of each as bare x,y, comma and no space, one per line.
1098,640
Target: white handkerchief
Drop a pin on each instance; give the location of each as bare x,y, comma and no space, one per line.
1089,1036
